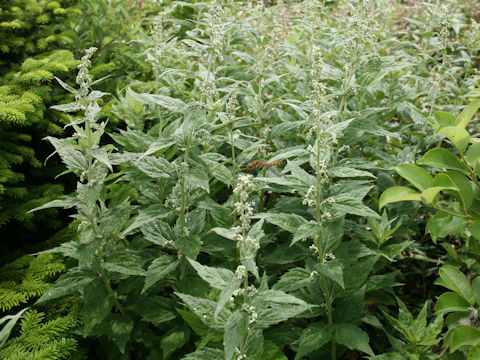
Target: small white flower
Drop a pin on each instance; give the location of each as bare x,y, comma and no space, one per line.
240,272
313,275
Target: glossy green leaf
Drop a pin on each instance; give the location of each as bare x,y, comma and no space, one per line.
458,136
396,194
443,159
474,353
416,175
440,225
430,195
449,302
444,119
456,281
473,155
453,180
465,335
476,289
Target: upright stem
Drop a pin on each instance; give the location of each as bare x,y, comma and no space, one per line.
317,241
259,101
183,207
110,291
234,159
93,224
329,302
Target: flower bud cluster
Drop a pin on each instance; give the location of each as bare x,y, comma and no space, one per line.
328,257
250,309
240,272
326,217
173,200
242,207
83,77
240,355
208,88
251,291
310,198
216,28
232,104
444,31
245,241
344,148
313,275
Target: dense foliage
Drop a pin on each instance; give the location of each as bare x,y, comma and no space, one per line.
297,181
40,40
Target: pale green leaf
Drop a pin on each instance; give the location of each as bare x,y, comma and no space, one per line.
396,194
467,114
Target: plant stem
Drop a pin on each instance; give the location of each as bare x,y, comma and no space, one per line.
234,159
329,302
183,206
110,291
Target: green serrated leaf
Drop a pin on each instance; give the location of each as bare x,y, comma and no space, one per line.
236,330
313,338
288,222
352,337
97,305
158,269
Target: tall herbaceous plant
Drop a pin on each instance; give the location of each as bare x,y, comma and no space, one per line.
233,217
